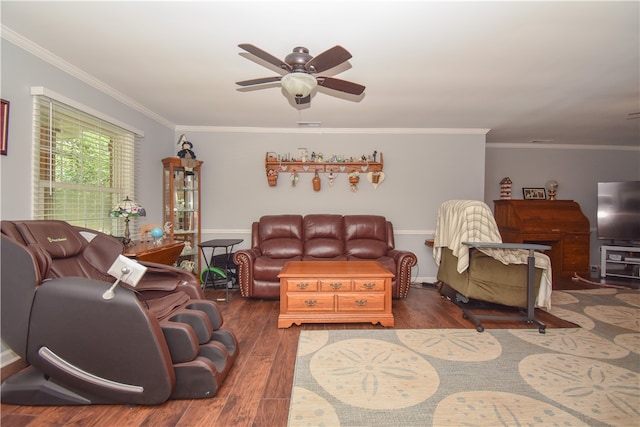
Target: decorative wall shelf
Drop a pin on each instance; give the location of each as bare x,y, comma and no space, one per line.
274,167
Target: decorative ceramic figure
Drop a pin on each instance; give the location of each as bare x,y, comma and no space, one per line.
316,182
552,188
505,188
375,178
331,179
187,265
272,178
354,179
186,154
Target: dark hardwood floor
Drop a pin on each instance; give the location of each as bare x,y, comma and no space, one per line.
258,388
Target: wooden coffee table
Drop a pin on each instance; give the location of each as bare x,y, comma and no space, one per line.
335,292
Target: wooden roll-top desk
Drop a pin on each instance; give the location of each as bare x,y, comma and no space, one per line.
557,223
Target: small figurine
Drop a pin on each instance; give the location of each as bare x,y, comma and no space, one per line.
354,179
331,179
505,188
167,229
186,154
187,265
145,231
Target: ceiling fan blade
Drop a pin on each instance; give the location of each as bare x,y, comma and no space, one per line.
259,81
265,56
327,59
340,85
305,100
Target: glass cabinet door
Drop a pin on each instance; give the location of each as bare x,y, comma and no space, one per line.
181,195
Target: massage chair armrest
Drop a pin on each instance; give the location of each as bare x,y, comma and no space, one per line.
161,277
404,261
245,259
109,348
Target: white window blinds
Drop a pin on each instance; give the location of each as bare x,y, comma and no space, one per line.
83,166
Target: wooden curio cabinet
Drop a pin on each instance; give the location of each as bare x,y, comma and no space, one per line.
181,208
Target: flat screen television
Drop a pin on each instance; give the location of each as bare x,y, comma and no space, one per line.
619,211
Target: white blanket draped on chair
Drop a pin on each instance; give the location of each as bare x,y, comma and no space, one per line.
472,221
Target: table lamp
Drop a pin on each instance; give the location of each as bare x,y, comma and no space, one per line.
127,208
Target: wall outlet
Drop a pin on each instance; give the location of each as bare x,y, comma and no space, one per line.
595,268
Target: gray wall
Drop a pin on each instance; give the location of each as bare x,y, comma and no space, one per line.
421,171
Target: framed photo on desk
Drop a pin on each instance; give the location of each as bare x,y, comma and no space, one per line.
534,193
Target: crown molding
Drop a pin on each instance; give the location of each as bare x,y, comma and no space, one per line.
530,145
321,130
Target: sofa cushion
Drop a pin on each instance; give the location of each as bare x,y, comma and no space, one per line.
365,236
281,236
323,236
386,261
267,268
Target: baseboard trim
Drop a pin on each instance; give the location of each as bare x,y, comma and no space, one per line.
11,364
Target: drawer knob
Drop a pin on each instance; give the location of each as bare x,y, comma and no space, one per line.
361,302
302,285
310,302
336,285
369,285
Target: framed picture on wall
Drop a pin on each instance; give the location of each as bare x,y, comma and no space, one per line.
4,126
534,193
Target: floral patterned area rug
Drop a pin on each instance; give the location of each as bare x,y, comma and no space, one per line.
587,376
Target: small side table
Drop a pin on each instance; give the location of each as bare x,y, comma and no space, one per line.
166,252
228,245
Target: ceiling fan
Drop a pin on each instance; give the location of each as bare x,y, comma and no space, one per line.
300,79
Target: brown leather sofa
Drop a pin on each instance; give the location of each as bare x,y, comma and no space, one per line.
162,340
277,239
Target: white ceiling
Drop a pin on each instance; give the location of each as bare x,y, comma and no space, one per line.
557,72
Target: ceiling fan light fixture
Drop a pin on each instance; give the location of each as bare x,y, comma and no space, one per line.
298,85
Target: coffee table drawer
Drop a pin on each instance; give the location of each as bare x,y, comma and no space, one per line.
369,284
361,302
335,285
301,285
310,302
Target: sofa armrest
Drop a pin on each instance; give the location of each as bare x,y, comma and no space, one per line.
404,261
245,259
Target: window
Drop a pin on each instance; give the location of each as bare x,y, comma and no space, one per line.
83,165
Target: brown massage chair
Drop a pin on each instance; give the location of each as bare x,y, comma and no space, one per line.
160,340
